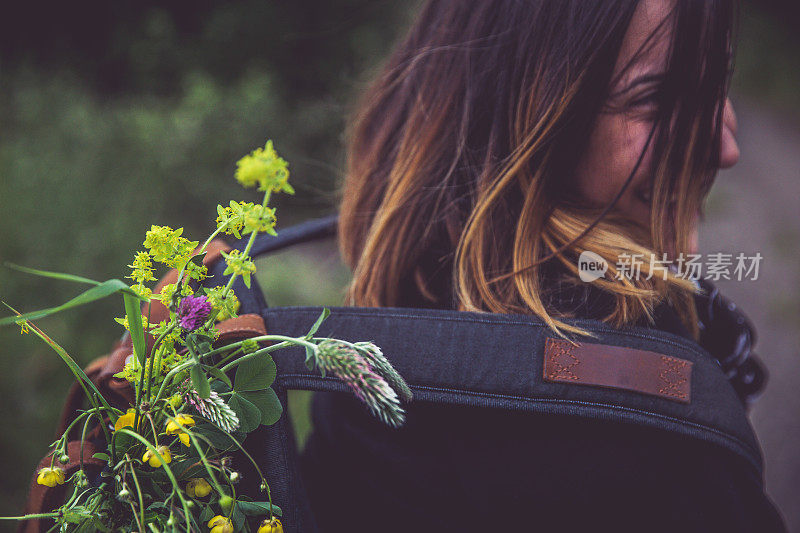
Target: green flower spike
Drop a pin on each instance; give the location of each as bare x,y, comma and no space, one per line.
240,265
264,168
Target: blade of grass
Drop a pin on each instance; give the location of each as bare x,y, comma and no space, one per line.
50,274
134,312
98,292
68,360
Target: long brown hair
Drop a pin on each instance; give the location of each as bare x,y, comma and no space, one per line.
459,189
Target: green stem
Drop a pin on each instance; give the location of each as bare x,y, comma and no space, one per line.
199,252
156,345
288,341
138,488
258,470
199,451
83,441
153,427
30,516
169,376
138,522
247,248
229,356
166,468
244,358
83,414
141,382
210,238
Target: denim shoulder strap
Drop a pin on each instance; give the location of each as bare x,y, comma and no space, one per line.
497,361
492,360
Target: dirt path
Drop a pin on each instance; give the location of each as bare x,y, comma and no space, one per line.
755,207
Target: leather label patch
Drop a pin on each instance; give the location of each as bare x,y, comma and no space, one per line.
619,368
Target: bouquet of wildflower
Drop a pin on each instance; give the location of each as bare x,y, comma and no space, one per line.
166,459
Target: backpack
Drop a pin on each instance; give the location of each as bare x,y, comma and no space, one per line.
636,376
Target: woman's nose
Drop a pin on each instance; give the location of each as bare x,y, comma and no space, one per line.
729,149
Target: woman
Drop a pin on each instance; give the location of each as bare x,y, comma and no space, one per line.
502,139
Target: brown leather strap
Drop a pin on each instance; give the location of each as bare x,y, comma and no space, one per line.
619,368
241,327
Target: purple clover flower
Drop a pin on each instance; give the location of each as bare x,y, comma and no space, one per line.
193,311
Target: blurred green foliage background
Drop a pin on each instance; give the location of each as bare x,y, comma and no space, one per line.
117,115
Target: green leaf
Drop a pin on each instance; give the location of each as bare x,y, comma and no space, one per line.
256,373
198,259
123,443
249,415
219,374
310,359
258,508
238,518
207,514
101,456
267,403
215,436
102,290
54,275
200,381
134,312
325,314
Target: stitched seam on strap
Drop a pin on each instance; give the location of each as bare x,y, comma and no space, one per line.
672,368
560,370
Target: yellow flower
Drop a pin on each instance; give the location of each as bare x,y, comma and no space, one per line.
154,460
50,477
174,426
198,487
220,524
125,420
142,268
271,526
263,167
174,429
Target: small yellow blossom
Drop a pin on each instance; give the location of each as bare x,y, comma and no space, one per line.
174,429
263,167
173,426
165,245
227,306
142,291
154,460
50,477
239,264
142,268
125,324
125,420
271,526
220,524
198,487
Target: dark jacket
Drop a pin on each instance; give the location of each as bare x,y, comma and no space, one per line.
453,468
